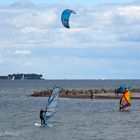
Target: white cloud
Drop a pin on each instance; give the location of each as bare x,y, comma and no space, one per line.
89,24
22,52
32,30
23,63
38,18
131,14
126,10
90,46
2,62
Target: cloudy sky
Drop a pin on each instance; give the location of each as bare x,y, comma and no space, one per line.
103,42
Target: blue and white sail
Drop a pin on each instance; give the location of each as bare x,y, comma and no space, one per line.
52,102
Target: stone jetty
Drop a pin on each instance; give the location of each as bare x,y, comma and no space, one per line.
87,93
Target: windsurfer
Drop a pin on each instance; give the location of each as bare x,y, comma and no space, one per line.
125,101
42,112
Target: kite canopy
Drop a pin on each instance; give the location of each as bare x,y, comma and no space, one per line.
65,17
123,88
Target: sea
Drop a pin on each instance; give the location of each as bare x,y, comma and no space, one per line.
75,119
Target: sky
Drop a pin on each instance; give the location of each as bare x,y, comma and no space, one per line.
67,1
102,43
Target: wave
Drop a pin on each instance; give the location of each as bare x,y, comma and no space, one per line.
9,134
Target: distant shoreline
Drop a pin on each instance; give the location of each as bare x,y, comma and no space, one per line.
88,94
22,76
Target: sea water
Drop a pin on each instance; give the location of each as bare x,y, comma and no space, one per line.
75,119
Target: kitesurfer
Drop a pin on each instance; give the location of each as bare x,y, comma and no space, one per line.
42,112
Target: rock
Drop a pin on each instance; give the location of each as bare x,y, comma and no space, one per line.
84,93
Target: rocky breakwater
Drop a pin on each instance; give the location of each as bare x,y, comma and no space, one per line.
87,93
71,93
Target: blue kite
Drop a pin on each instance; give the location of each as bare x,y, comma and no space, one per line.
65,17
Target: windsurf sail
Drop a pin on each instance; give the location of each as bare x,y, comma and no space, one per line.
125,100
52,102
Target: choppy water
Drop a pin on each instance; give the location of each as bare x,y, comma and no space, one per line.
76,119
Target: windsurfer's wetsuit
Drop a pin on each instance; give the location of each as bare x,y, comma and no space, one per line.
42,117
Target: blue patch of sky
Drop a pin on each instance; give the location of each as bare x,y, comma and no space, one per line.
91,53
67,1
